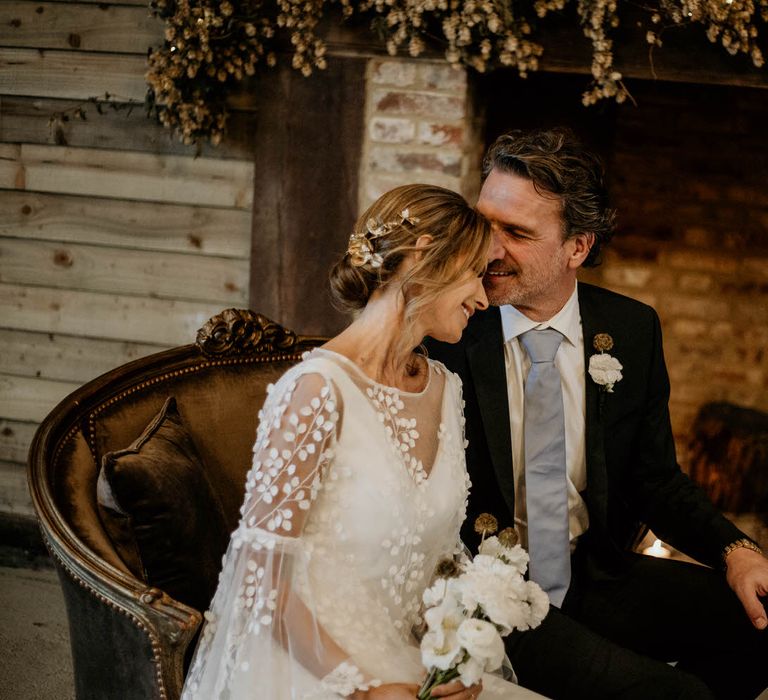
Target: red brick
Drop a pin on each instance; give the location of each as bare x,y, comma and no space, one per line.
703,261
628,275
396,160
397,73
441,76
422,104
391,130
693,282
436,134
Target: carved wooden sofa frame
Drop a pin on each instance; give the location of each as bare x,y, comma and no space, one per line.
129,640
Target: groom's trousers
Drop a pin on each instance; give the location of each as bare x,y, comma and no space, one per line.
615,639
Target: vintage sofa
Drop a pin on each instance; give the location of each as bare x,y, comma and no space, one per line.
129,635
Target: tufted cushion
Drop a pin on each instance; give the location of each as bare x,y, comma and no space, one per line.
162,514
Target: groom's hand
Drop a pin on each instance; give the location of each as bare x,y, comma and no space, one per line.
747,574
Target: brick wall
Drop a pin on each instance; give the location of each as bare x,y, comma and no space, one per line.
418,128
689,171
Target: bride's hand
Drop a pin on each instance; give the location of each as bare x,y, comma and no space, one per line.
456,690
388,691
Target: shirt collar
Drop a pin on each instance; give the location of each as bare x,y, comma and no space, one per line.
567,320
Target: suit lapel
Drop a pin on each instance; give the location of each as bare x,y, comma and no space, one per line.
597,479
485,356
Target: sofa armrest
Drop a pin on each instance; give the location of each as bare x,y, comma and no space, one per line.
128,641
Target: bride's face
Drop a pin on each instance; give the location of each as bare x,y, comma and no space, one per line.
446,317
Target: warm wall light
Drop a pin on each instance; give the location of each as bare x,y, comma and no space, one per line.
657,549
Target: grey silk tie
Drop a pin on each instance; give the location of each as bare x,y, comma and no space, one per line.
545,475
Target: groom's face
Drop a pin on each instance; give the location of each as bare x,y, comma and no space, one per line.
531,263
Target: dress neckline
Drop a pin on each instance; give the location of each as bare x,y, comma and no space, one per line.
346,362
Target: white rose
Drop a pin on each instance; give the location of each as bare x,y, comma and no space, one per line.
471,670
440,649
435,593
482,642
605,370
440,646
515,556
539,601
502,594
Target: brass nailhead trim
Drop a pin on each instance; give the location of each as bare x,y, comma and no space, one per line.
153,640
280,357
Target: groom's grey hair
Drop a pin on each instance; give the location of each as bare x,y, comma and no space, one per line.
556,162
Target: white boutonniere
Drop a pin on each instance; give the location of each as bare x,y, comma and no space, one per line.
604,369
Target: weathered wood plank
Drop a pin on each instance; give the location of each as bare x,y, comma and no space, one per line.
121,224
138,272
15,439
14,493
293,122
107,316
9,171
143,3
72,74
119,174
65,358
31,399
86,27
118,126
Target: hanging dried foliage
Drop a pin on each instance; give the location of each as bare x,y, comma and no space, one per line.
210,45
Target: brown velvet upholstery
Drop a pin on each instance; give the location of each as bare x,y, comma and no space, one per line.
130,636
159,509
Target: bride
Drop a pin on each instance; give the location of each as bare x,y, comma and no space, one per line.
358,485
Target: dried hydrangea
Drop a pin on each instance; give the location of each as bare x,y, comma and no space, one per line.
211,45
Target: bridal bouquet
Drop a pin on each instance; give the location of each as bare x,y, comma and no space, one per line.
474,603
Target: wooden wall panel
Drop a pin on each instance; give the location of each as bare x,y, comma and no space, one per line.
85,27
15,438
116,240
117,223
65,357
121,126
72,74
138,272
29,398
92,315
101,173
305,191
14,494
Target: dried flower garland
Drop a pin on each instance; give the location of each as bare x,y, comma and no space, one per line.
211,45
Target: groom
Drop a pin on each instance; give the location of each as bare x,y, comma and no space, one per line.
581,460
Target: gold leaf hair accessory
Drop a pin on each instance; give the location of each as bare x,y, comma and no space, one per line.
361,245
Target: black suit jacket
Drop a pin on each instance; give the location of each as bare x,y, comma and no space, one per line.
632,473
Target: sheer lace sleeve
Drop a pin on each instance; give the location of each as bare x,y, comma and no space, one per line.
262,637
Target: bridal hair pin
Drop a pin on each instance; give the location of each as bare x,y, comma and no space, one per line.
360,247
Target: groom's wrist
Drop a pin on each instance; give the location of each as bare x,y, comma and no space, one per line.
741,543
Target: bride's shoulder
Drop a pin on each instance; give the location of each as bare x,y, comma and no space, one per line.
440,369
312,375
451,379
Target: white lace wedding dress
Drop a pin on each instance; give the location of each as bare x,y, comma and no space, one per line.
356,491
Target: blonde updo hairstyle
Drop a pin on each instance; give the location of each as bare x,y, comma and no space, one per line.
460,238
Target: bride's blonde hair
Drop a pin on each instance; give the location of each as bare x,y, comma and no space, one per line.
459,238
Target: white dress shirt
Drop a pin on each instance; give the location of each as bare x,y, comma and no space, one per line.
570,361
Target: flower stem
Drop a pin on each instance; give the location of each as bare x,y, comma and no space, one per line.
435,678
